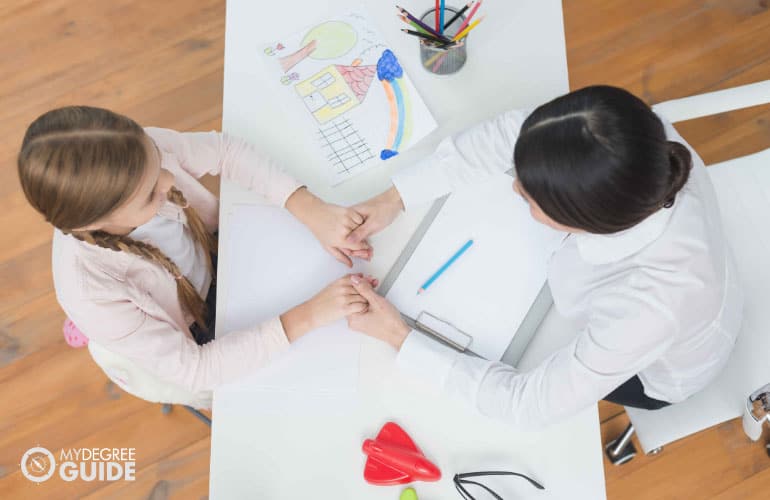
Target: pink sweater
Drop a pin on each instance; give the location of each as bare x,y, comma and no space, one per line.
129,305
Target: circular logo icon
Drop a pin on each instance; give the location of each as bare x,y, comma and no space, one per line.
38,464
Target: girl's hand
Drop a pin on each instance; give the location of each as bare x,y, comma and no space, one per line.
331,225
380,320
337,300
378,213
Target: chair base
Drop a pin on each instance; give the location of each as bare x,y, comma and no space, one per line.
200,416
621,449
166,409
626,454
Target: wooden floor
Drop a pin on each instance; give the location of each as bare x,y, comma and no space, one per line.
161,63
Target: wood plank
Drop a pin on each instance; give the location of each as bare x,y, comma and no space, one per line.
747,457
608,411
129,30
153,434
34,325
754,488
182,475
122,84
712,41
25,276
731,135
722,454
161,64
28,231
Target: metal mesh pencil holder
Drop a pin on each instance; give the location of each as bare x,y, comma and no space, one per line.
441,60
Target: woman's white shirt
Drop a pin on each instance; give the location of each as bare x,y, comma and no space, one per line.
658,300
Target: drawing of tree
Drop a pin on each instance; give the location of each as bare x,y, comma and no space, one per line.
328,40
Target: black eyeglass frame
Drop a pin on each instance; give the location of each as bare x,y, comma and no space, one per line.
460,480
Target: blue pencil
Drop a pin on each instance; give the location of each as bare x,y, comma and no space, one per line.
445,266
441,19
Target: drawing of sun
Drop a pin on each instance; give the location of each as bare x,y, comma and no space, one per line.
333,38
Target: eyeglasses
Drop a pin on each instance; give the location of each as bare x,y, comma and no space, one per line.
461,480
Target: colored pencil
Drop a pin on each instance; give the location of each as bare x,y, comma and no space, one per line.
437,15
433,58
413,24
443,268
470,16
440,61
466,30
424,36
422,24
457,15
441,18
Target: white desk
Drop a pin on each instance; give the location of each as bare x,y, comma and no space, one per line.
516,59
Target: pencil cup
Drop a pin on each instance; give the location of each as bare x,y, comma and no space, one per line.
439,60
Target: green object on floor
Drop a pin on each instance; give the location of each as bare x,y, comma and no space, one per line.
408,494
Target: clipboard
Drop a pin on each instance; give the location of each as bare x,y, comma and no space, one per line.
442,329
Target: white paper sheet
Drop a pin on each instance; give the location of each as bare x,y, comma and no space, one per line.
341,72
487,292
275,263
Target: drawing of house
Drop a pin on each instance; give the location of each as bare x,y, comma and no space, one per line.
335,90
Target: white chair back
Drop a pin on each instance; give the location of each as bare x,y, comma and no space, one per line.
743,191
139,382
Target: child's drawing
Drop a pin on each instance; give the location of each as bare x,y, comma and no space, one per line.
335,89
289,78
390,73
328,40
271,51
332,67
288,62
345,149
334,38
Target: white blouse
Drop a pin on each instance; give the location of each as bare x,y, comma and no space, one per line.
658,300
171,236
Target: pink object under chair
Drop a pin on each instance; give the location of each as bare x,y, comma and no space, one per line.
73,335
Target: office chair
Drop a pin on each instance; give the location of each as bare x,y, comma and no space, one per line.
743,192
137,381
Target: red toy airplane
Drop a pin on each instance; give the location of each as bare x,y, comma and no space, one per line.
395,459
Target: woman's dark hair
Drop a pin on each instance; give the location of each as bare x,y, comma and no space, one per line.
597,159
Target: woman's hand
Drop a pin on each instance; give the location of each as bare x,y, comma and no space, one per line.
331,225
378,213
337,300
380,320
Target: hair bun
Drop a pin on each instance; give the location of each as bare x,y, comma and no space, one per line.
680,163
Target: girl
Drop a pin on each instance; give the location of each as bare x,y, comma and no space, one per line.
643,267
133,249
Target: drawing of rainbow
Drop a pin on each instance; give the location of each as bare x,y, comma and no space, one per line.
390,73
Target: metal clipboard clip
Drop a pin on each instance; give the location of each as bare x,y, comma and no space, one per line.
441,330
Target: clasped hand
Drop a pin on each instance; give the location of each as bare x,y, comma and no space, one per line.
343,232
331,225
351,297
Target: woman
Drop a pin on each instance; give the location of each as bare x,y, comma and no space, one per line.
644,267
